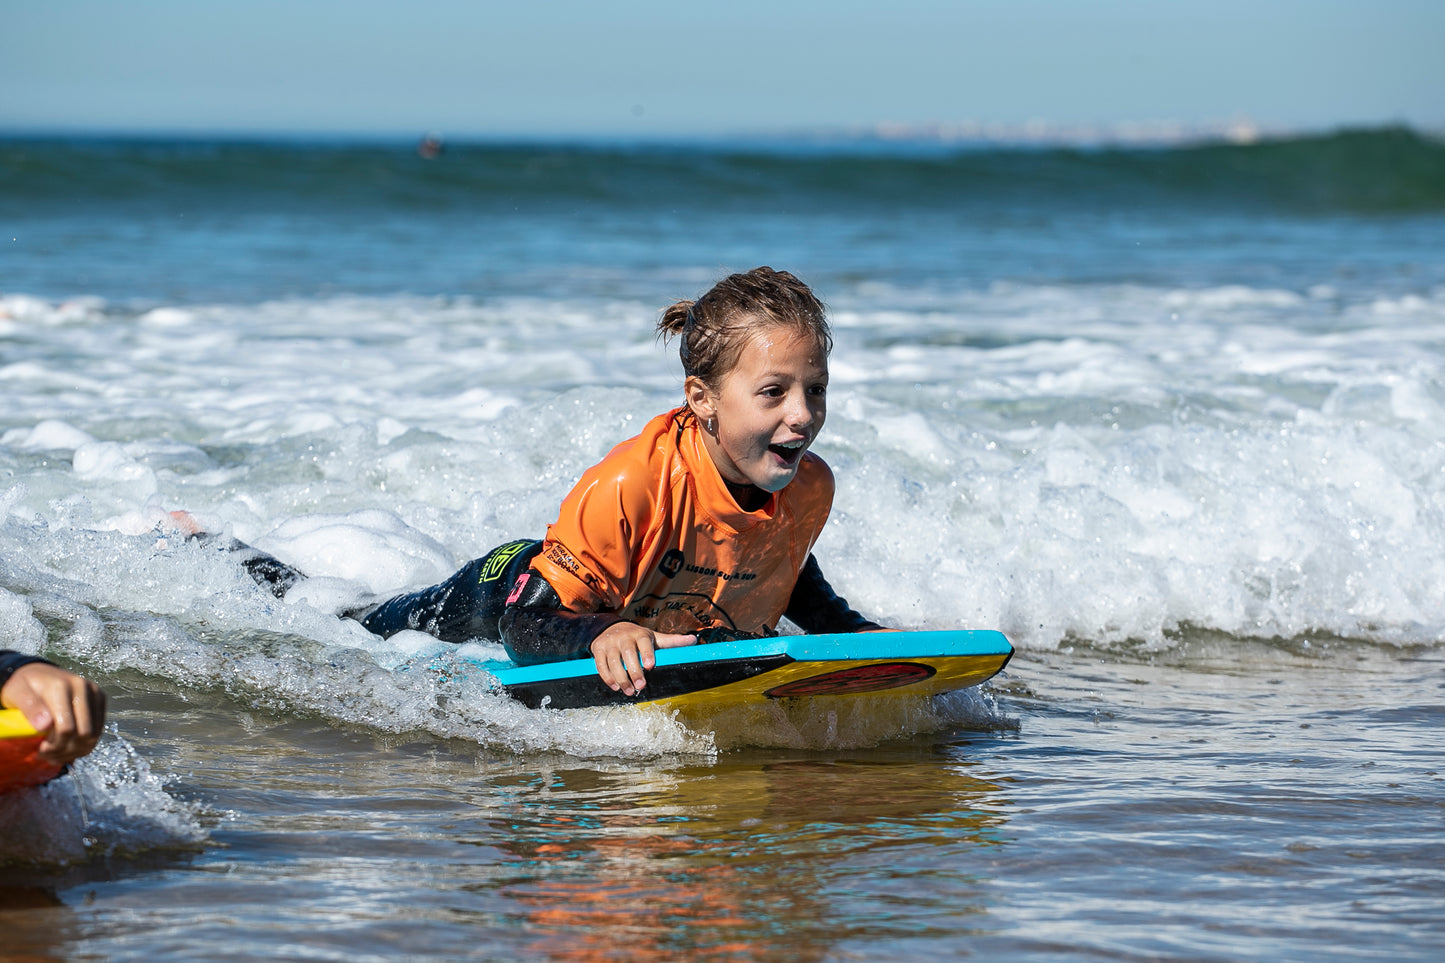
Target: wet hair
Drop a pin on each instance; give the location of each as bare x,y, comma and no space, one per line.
714,329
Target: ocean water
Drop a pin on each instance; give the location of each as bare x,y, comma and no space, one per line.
1172,419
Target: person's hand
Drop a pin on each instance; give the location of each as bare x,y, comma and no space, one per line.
625,649
67,709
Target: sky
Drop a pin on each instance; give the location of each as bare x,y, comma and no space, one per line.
649,69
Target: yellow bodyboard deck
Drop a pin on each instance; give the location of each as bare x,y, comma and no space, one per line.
777,667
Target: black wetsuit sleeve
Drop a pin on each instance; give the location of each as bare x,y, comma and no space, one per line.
815,608
10,661
267,571
536,628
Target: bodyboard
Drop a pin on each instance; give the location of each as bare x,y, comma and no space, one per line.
777,667
19,764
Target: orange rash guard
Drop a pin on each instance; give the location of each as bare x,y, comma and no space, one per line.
652,534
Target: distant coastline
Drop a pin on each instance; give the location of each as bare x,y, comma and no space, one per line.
881,137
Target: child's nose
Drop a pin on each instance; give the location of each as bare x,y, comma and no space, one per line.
800,413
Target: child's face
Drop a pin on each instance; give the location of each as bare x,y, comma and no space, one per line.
768,409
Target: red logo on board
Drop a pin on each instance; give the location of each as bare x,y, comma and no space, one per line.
863,678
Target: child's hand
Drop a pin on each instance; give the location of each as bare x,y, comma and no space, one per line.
70,710
625,649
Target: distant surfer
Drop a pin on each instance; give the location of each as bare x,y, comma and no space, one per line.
430,147
700,528
67,709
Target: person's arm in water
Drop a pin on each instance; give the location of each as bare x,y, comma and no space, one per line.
816,609
68,709
536,628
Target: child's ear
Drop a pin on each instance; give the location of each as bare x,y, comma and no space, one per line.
699,399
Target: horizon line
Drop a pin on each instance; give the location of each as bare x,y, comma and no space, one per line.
946,134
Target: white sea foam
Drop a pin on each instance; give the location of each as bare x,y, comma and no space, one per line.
109,804
1107,463
19,628
47,435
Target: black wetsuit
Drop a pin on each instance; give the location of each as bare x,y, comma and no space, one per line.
11,660
479,602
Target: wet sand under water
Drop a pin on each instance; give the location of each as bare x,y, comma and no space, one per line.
1223,800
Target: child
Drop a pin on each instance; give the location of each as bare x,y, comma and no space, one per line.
68,709
700,528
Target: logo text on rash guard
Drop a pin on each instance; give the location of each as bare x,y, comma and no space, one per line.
671,563
724,576
564,560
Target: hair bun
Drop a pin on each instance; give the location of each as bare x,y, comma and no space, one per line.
674,318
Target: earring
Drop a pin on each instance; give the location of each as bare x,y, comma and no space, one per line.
709,426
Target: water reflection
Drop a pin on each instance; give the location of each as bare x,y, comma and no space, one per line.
34,923
341,842
756,857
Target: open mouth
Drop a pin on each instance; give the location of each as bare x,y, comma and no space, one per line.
789,451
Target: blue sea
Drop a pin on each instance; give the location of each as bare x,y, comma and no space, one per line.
1170,417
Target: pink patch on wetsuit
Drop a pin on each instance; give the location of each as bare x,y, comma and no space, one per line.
520,584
